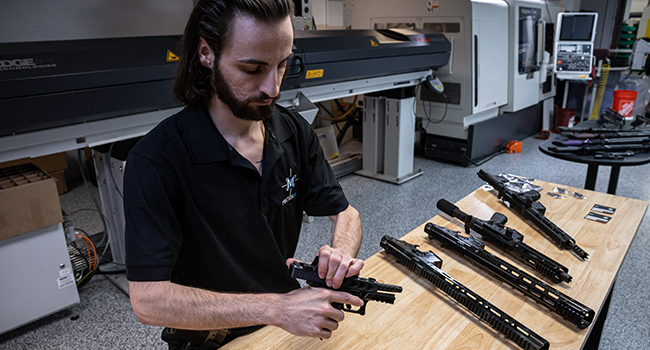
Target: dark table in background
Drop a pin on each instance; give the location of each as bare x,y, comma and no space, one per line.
592,162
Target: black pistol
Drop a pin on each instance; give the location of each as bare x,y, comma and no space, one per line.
365,288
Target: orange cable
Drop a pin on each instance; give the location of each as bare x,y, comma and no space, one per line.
88,251
90,262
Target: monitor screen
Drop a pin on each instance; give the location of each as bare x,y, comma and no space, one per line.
577,27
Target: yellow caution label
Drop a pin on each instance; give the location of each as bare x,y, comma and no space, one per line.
373,43
171,57
315,73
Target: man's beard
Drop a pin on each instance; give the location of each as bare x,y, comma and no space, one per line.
241,108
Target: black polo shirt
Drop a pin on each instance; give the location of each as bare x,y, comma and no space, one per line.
199,214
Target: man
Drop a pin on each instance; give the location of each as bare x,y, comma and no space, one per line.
214,195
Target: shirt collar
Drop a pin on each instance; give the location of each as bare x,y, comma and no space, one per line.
206,143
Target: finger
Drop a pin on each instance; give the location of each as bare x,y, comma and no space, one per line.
342,270
329,324
333,267
324,334
335,314
323,262
291,261
355,267
345,298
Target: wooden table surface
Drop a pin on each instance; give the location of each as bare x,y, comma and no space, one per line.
423,317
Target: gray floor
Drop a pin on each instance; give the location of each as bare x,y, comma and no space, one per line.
106,322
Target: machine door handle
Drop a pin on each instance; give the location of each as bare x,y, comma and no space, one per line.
296,67
541,41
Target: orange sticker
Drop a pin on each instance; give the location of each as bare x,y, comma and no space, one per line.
171,57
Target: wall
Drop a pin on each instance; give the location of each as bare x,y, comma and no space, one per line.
328,14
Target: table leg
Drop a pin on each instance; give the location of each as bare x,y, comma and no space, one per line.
592,172
593,340
613,179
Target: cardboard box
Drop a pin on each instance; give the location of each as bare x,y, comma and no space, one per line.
53,164
61,185
49,163
28,200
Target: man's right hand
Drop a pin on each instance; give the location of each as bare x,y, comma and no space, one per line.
309,312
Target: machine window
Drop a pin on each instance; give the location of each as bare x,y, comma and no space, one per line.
394,25
443,27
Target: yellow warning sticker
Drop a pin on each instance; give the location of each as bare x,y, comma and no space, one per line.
314,73
373,43
171,57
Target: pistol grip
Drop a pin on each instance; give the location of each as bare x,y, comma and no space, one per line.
348,308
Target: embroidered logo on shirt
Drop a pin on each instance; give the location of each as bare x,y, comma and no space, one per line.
290,184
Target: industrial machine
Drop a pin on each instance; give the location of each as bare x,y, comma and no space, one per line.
640,53
480,110
526,53
303,19
79,74
58,83
334,63
112,98
37,277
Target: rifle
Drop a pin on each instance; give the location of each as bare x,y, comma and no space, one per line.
427,265
608,135
640,120
510,240
526,204
530,286
365,288
593,148
602,141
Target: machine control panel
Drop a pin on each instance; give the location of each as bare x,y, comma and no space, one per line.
574,57
574,45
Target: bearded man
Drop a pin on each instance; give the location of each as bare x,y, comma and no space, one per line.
214,195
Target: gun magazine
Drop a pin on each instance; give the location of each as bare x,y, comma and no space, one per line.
497,319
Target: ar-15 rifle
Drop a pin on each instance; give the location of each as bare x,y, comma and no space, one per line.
427,265
607,135
592,147
526,204
365,288
472,248
602,141
510,240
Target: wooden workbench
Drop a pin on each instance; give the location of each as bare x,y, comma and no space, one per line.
423,317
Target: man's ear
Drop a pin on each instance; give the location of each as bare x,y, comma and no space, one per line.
206,55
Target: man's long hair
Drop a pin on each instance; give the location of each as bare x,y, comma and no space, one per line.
212,21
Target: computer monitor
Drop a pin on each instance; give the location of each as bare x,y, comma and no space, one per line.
574,43
577,26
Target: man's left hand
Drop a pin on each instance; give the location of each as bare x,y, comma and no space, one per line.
334,265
